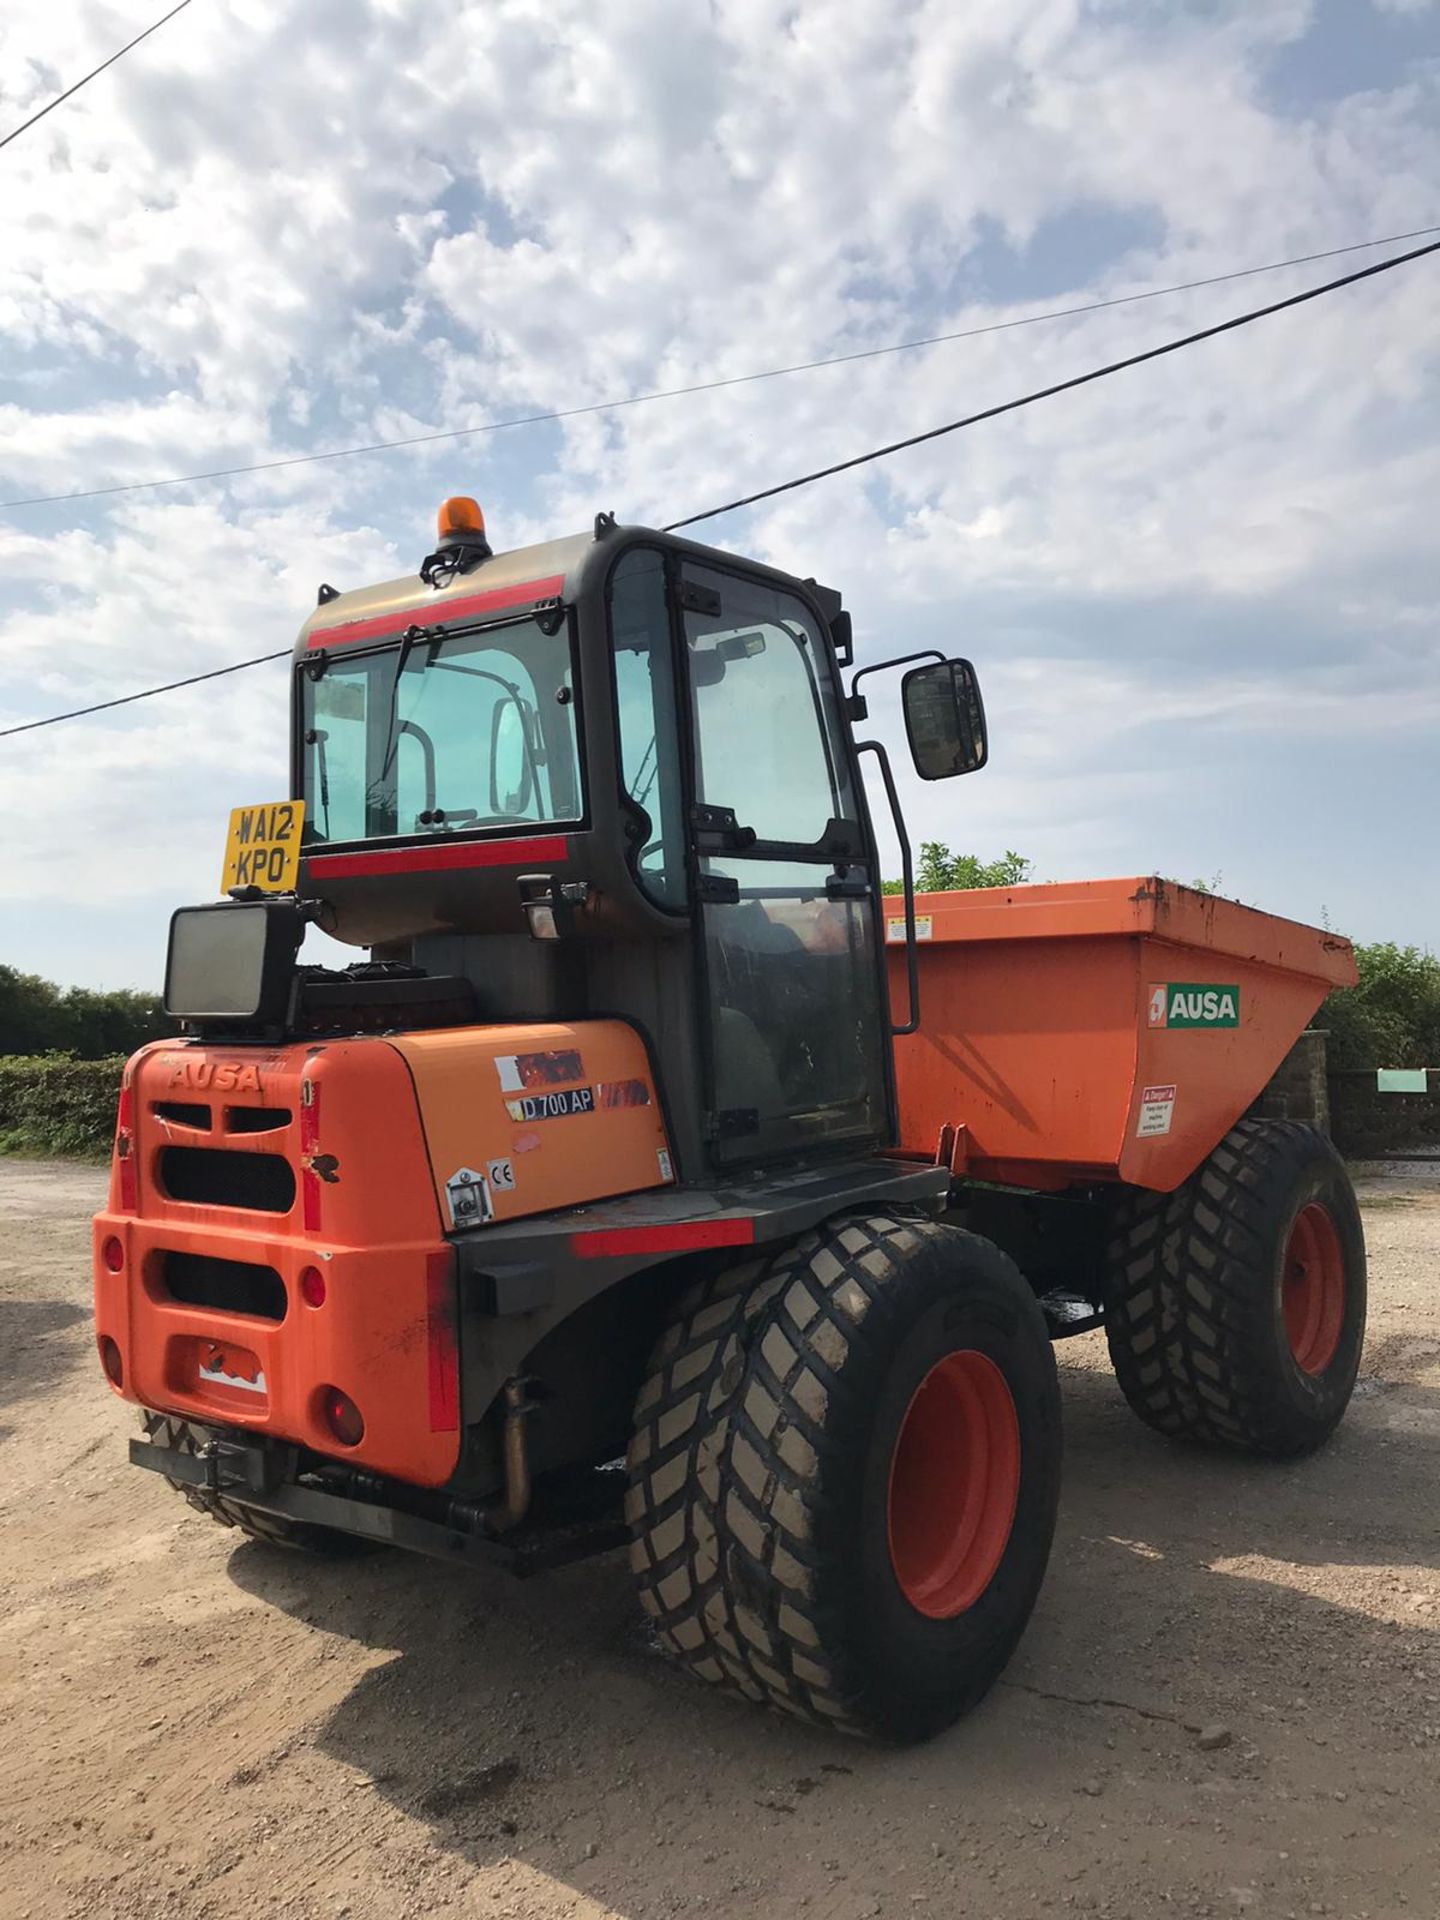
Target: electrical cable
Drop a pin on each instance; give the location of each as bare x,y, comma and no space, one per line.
711,386
1061,386
863,459
125,699
94,73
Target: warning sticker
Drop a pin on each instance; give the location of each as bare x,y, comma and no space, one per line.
623,1093
1157,1110
924,927
522,1072
552,1106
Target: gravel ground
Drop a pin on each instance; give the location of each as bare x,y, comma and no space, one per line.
1228,1700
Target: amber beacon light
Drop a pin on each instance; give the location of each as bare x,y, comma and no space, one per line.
459,514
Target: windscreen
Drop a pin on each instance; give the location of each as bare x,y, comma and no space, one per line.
442,735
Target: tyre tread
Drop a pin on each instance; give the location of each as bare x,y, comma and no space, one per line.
726,1505
1187,1274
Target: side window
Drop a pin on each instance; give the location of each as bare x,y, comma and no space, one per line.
649,743
765,733
335,763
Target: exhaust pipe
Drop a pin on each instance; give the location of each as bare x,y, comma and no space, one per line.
516,1503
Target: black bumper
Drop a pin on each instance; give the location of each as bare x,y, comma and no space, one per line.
243,1475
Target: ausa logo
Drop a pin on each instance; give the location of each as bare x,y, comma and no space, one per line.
1188,1003
225,1076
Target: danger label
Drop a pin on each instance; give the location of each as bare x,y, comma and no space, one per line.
1157,1110
1187,1003
924,927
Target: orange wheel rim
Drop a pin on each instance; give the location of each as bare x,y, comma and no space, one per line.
1312,1289
954,1481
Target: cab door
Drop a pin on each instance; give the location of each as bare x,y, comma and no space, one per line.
788,926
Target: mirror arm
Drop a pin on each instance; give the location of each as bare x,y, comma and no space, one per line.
855,706
912,965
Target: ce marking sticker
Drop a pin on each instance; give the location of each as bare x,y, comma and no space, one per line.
501,1176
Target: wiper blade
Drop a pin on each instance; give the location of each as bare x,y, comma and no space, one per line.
408,642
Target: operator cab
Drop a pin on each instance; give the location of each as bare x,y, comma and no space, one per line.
614,775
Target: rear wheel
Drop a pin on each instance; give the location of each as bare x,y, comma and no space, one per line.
844,1475
1235,1306
273,1529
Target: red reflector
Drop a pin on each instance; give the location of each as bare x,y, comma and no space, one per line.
111,1362
342,1416
312,1287
679,1238
113,1254
467,853
444,1355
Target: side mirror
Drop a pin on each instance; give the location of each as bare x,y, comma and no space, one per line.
944,719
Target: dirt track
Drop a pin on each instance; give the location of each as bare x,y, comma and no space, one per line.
195,1727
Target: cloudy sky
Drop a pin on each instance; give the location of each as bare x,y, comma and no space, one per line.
1202,596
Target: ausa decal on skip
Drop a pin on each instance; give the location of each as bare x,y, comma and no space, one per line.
1194,1004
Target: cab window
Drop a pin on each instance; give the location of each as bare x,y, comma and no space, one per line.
766,733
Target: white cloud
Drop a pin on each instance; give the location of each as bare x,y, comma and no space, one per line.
282,225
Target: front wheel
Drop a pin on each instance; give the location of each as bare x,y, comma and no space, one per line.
844,1475
1235,1306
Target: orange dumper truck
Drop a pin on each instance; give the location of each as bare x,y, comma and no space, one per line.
654,1177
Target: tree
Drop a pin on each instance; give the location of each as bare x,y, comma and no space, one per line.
940,871
1392,1018
36,1017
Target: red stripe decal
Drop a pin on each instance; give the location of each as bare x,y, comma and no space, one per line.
344,633
309,1143
608,1242
441,1348
437,859
125,1145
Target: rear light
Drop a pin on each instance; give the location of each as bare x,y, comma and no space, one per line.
111,1362
113,1254
312,1286
342,1416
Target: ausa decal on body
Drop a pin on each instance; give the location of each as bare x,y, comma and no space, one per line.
1189,1003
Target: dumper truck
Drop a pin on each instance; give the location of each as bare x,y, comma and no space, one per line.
656,1176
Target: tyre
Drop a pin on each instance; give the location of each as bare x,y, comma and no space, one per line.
1235,1306
844,1474
273,1529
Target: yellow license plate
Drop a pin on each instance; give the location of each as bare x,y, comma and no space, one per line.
262,848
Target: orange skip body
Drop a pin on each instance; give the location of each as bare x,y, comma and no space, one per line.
1041,1034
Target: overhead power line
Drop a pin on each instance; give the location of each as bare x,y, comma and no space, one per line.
125,699
711,386
863,459
94,73
1061,386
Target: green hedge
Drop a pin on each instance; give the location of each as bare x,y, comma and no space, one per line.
52,1103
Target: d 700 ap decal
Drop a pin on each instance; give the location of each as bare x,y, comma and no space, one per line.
552,1106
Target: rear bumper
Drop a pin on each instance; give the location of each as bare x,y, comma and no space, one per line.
250,1474
384,1335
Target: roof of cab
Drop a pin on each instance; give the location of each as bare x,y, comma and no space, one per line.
506,581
